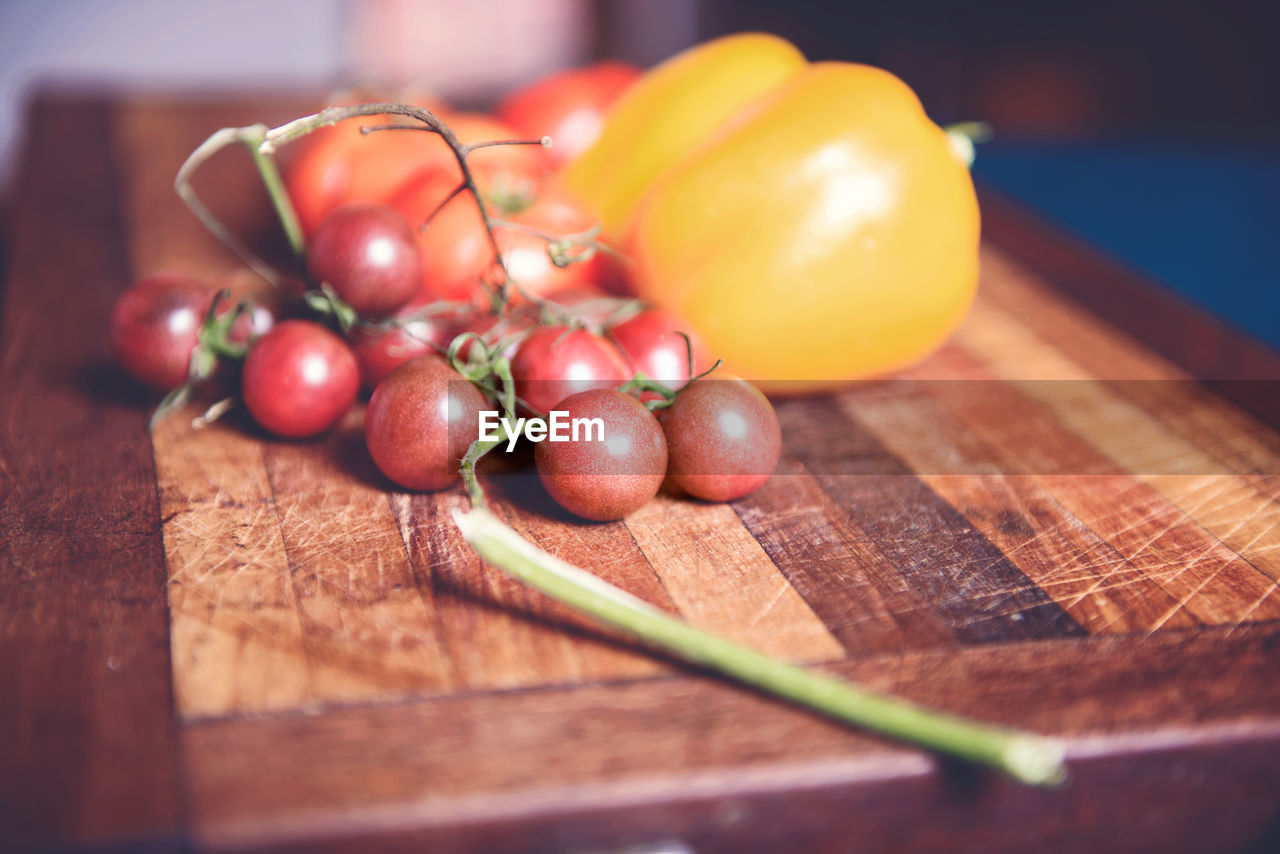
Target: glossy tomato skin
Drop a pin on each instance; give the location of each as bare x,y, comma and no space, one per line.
723,438
555,362
651,341
299,379
420,422
155,325
609,479
457,254
568,106
369,255
382,350
843,242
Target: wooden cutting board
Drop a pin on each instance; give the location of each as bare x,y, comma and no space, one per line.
212,640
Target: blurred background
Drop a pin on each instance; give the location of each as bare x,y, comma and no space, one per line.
1150,129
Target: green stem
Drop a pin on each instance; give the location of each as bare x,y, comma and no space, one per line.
264,159
1025,757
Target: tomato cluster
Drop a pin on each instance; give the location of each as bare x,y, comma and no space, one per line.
403,299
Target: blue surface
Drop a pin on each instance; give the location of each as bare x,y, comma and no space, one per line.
1202,219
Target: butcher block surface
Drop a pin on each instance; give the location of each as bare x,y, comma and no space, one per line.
213,640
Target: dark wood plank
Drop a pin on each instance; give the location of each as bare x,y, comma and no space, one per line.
1084,573
87,741
1155,766
834,566
979,593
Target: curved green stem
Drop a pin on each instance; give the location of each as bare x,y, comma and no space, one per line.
265,161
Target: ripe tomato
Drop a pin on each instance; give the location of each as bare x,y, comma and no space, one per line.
555,362
723,438
604,479
380,351
568,106
650,341
420,422
299,379
456,254
367,253
155,325
338,164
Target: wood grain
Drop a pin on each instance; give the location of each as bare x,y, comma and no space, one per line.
1049,523
88,749
723,581
442,775
973,587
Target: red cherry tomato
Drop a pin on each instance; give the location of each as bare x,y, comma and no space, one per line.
569,106
723,438
554,362
420,422
367,253
457,255
380,351
253,323
613,472
299,379
650,341
155,325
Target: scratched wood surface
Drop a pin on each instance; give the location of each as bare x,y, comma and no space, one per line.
215,640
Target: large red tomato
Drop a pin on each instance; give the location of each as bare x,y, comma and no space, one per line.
456,253
337,165
568,106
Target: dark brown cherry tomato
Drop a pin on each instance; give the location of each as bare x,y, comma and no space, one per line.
607,478
569,106
650,341
554,362
368,255
299,379
420,422
155,325
723,437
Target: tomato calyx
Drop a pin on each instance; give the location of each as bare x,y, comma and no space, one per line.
216,342
657,395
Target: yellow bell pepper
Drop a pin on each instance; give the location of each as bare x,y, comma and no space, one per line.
823,230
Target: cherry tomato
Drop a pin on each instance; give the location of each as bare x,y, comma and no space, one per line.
380,351
650,341
367,254
420,422
457,255
299,379
155,325
251,325
723,438
609,477
569,106
555,362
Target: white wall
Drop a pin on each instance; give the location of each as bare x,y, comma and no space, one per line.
453,46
